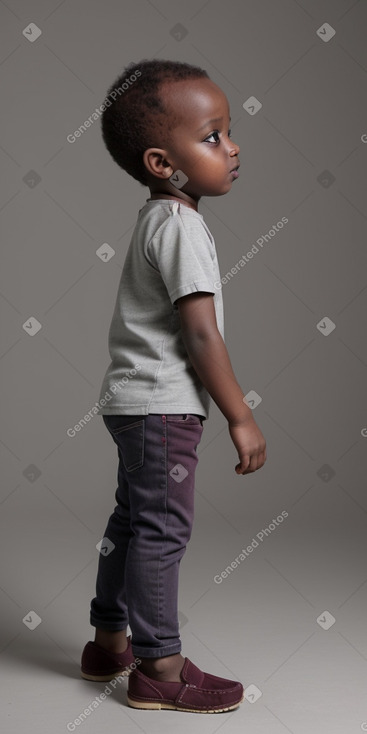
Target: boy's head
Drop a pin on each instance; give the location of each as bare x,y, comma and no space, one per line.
169,116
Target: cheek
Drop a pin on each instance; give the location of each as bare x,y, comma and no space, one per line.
206,161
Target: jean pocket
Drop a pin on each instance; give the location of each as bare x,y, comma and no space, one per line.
129,438
192,419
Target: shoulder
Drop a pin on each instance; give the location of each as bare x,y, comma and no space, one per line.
185,220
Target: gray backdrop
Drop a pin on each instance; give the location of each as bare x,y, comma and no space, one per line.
289,618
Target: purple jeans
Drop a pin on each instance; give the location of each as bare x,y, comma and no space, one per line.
138,568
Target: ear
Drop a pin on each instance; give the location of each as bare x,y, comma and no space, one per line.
155,162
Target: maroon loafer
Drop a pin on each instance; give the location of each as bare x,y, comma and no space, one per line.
100,664
199,692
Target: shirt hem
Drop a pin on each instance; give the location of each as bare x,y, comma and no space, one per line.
158,408
199,286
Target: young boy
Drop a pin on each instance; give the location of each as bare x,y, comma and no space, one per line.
168,127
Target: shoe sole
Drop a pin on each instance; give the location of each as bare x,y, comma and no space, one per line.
105,678
156,705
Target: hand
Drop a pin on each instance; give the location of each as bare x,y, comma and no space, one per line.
250,444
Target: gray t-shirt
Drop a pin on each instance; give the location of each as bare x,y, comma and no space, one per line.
171,254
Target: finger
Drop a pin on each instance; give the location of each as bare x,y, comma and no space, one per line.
244,463
253,463
263,457
261,460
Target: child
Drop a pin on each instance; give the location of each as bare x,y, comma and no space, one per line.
167,126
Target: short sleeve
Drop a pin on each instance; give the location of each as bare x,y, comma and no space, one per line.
182,252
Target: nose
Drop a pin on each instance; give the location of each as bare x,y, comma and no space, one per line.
234,148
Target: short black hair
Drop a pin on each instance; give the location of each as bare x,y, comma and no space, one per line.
136,118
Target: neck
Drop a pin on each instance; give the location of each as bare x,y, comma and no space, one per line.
184,199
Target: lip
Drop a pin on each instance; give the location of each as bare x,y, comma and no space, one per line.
235,172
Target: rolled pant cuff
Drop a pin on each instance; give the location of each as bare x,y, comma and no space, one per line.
156,652
112,627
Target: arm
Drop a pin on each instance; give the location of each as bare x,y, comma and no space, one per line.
209,358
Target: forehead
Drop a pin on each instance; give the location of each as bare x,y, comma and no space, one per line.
195,101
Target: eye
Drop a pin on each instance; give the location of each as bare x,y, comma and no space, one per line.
215,132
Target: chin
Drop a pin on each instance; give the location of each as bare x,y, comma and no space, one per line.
219,192
226,190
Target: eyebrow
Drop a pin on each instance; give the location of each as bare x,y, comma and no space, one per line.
210,122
